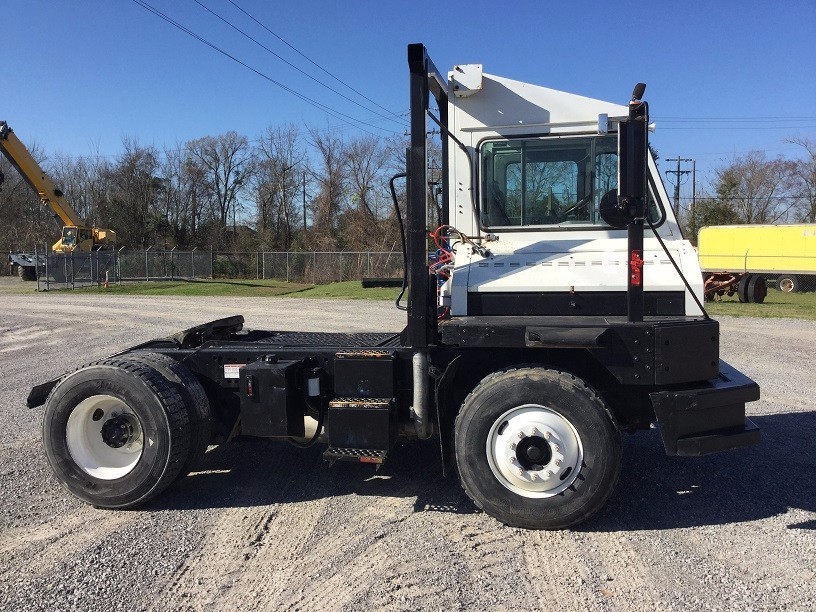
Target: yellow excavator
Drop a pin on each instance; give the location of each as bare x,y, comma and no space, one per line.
76,235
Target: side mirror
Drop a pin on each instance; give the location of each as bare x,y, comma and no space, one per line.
633,148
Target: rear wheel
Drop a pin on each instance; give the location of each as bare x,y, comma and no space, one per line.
537,449
788,283
195,399
116,433
742,289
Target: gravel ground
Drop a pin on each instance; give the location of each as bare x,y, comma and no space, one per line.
268,526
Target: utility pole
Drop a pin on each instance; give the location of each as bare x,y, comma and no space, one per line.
304,200
693,225
679,173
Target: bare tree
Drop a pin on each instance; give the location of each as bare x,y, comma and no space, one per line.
757,188
130,202
227,164
277,184
804,177
330,176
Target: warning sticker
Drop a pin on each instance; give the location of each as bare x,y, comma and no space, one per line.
232,370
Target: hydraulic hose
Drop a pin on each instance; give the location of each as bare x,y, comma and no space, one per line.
402,238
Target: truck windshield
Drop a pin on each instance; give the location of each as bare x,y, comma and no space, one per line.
550,181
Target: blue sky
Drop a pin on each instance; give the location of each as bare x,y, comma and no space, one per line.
78,76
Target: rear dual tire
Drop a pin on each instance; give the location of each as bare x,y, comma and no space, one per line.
116,433
752,288
195,398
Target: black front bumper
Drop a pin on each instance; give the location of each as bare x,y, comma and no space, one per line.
707,418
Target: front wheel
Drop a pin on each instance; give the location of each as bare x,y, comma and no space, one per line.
537,449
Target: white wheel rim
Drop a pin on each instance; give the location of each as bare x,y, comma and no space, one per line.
554,438
786,285
105,454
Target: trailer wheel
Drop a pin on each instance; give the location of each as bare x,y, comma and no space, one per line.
742,289
27,273
116,433
537,449
757,289
195,399
788,283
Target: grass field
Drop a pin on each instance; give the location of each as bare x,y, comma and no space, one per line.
776,305
232,287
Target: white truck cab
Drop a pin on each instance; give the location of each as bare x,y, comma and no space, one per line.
537,165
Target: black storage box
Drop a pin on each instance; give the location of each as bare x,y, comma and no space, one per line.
361,424
271,401
368,373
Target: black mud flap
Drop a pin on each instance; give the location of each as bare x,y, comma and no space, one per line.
707,418
445,414
39,393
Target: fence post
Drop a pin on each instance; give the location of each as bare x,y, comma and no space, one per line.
314,267
212,261
368,256
192,262
37,267
97,268
287,266
118,266
263,264
147,265
172,269
257,266
73,272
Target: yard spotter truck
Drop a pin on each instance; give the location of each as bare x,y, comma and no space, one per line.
542,321
76,236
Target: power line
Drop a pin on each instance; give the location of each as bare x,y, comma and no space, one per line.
746,198
311,61
290,64
742,127
737,119
334,113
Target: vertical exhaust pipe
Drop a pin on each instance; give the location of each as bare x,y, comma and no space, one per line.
419,410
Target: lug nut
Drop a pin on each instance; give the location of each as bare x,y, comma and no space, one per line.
512,446
521,435
512,459
557,463
549,474
520,472
534,432
533,476
556,448
548,435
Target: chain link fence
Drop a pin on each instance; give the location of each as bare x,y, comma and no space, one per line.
156,264
57,271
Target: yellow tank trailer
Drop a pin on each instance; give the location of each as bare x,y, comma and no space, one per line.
738,259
